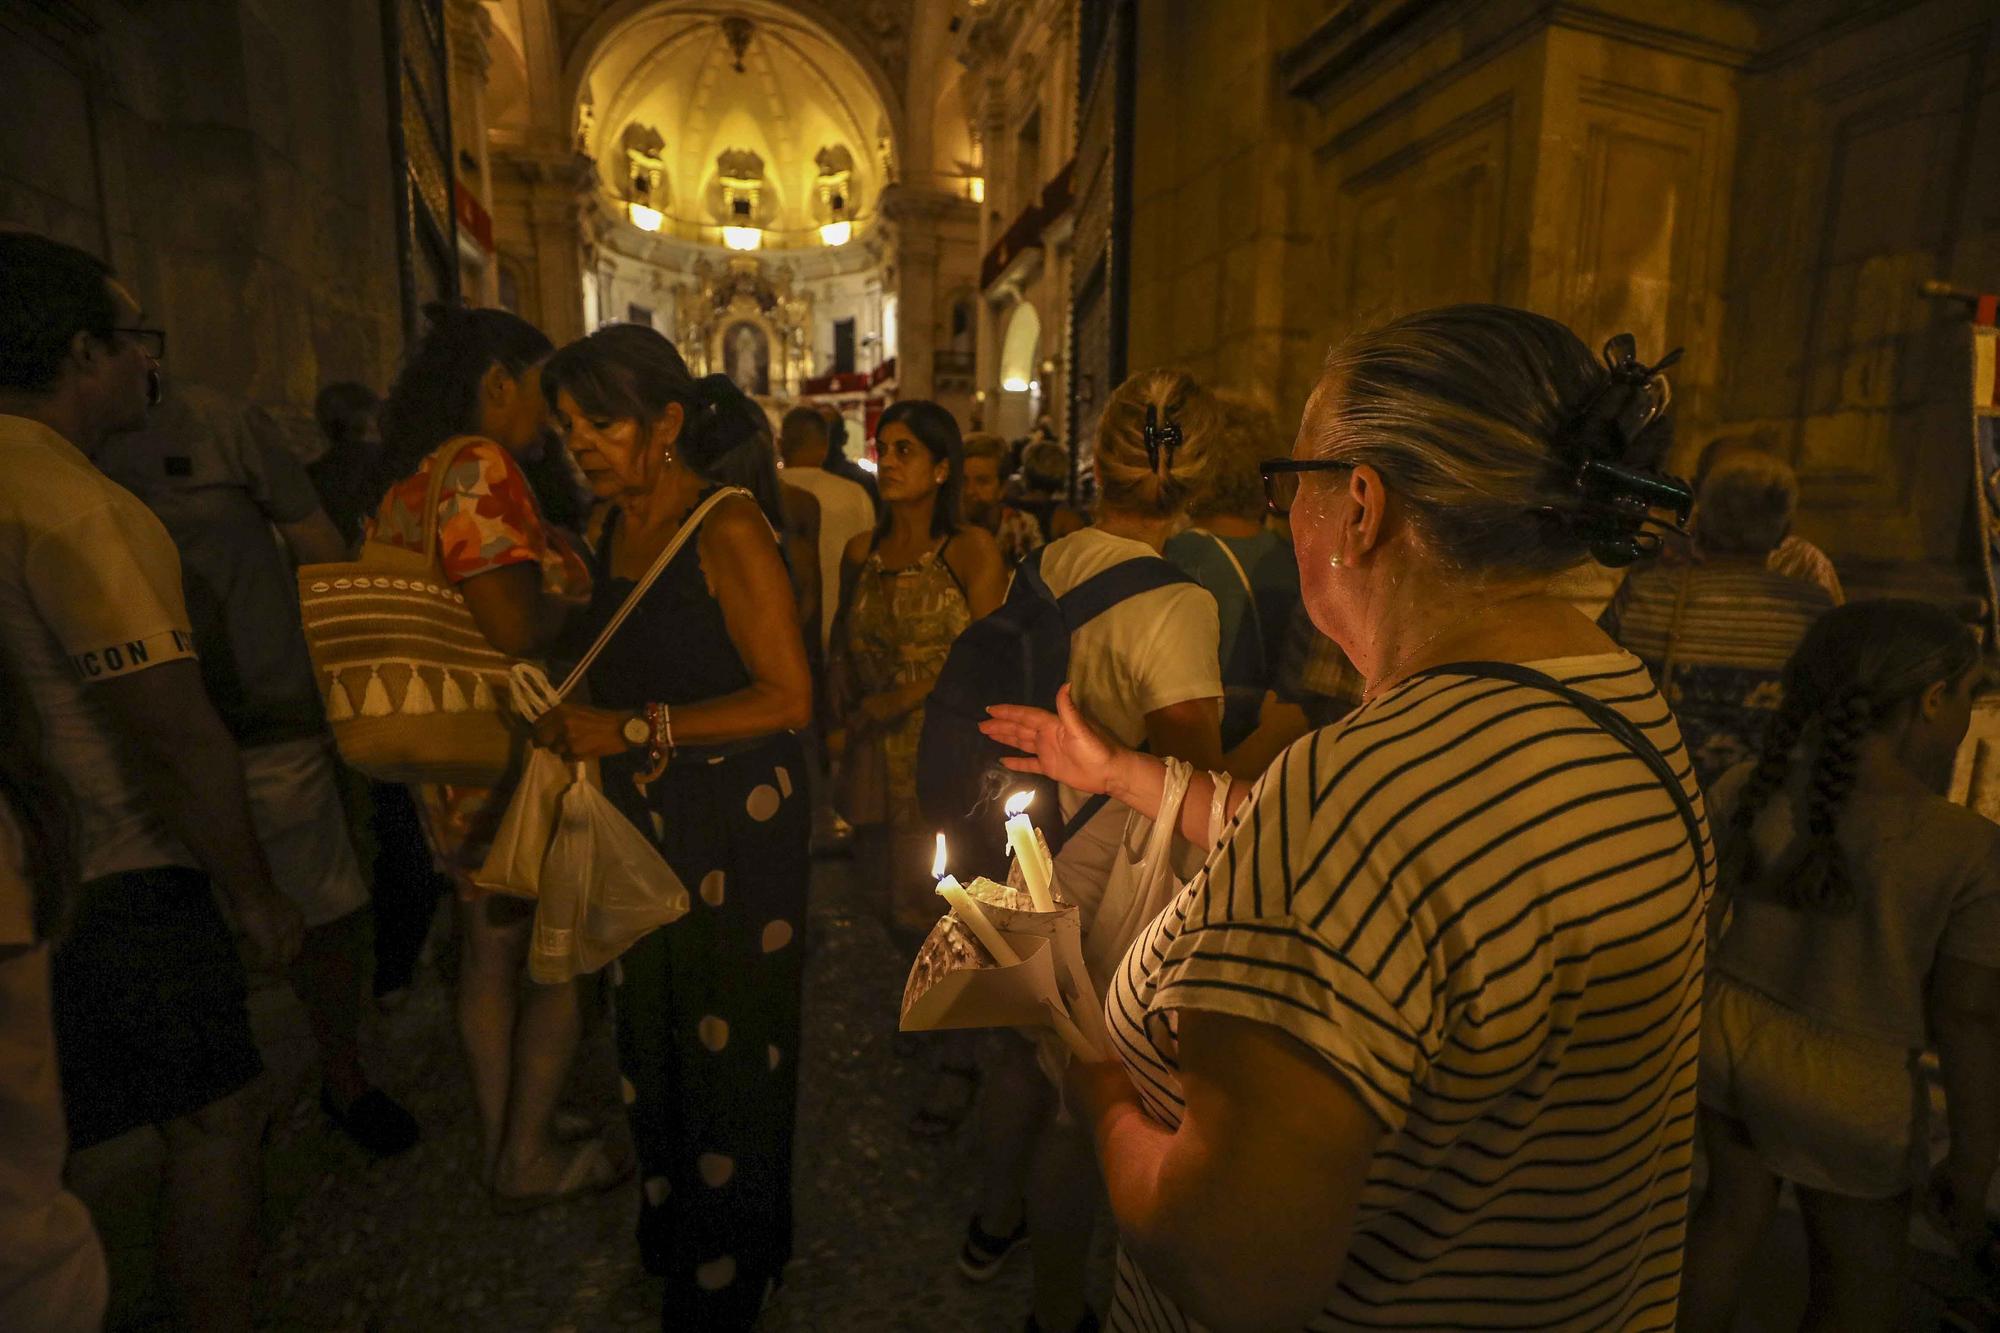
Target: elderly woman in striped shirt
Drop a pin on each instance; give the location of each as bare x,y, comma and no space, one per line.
1417,1046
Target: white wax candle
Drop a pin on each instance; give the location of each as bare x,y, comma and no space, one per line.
1035,868
976,921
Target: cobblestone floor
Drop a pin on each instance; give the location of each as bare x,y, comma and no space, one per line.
410,1244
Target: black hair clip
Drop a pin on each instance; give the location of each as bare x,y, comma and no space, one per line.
1631,398
1161,436
1617,504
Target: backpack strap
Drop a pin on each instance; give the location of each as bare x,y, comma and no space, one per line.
1089,600
1609,719
1101,591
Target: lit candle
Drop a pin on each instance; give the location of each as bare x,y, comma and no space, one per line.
1027,848
969,912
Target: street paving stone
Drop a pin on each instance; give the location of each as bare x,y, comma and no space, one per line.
414,1244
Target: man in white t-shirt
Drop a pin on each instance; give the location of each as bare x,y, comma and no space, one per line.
844,508
149,994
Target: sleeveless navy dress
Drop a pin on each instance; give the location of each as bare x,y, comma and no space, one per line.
708,1007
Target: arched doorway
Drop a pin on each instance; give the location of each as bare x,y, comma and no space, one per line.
1019,400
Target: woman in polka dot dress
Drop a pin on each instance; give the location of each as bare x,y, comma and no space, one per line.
696,705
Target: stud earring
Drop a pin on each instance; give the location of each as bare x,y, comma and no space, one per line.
1333,562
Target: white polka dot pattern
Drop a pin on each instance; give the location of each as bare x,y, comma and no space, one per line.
714,1033
764,802
657,1190
711,888
715,1169
716,1274
777,935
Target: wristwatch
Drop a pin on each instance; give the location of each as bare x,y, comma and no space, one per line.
637,731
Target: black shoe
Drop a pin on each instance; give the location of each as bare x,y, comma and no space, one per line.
983,1253
1087,1324
374,1121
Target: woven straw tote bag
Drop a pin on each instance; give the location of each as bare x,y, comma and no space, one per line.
413,690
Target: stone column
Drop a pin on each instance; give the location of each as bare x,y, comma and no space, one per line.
915,212
543,195
468,31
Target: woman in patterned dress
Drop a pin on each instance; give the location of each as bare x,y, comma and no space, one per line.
477,374
696,707
912,585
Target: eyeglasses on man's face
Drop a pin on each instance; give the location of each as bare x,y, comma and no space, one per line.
1283,475
151,341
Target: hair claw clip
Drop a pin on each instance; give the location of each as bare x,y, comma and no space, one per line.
1160,437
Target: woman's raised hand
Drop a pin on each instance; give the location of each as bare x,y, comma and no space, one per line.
1064,745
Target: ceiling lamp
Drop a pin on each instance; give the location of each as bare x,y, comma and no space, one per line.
836,233
743,238
644,218
1014,384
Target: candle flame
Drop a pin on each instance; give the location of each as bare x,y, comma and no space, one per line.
937,862
1019,802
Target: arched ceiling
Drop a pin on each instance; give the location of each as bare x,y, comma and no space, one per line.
673,71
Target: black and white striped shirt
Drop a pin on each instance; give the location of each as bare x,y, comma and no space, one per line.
1482,910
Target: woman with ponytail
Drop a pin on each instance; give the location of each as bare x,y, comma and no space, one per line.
473,384
1864,926
696,705
1149,670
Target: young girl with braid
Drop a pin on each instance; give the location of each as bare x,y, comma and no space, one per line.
1863,925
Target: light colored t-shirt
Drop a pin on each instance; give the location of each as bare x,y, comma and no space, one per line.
1927,884
1146,653
90,588
218,477
845,512
1482,911
51,1266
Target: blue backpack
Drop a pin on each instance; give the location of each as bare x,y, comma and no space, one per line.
1017,655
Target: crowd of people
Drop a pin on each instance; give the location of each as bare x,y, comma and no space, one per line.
1491,913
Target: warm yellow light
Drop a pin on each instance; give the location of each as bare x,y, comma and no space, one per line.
938,861
1018,803
1014,384
644,218
836,233
975,189
742,238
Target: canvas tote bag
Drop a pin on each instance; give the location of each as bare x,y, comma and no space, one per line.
413,691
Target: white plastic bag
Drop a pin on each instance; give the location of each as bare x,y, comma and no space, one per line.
521,843
1144,878
604,886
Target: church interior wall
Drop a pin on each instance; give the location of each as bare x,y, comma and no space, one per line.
230,159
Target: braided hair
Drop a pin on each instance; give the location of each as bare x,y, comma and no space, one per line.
1855,673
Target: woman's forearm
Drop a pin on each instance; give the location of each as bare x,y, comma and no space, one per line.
1139,781
760,710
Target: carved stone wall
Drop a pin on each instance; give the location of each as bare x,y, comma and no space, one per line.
1764,182
230,159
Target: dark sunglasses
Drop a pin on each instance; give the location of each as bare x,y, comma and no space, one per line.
1282,476
152,341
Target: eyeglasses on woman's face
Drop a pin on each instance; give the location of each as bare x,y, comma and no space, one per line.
1283,475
